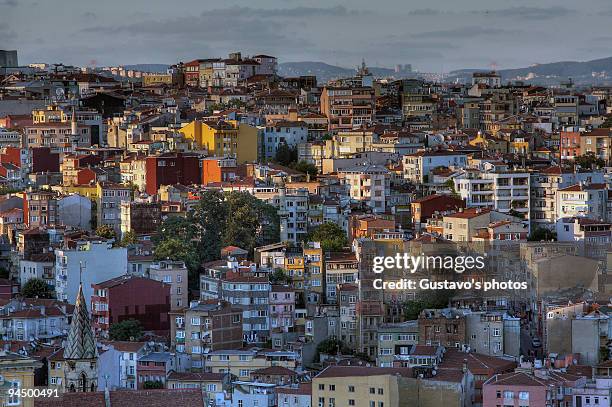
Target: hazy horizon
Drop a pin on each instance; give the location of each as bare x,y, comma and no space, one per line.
433,35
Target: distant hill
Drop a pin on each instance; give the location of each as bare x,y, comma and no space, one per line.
325,72
597,71
321,70
153,68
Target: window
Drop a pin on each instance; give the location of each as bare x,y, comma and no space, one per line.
244,372
380,390
351,389
321,387
332,387
14,399
239,403
508,394
351,402
195,321
372,390
211,387
386,337
523,395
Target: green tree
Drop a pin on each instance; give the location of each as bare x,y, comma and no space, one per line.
427,300
209,218
106,232
278,276
128,330
149,384
129,238
285,155
253,223
331,346
590,160
331,236
37,288
541,233
307,168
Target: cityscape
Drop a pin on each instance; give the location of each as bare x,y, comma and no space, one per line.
303,228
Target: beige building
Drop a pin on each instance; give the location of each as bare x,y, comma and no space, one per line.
174,273
242,362
463,226
361,386
16,372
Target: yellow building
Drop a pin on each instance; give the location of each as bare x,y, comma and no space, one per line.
17,372
89,191
160,78
313,253
224,139
294,266
55,367
361,386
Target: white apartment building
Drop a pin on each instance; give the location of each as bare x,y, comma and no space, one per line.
369,183
290,133
544,186
583,200
99,260
418,166
502,191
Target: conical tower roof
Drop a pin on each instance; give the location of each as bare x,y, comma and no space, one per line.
81,343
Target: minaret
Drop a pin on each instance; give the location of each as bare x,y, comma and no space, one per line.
80,353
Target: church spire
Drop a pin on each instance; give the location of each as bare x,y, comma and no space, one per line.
81,343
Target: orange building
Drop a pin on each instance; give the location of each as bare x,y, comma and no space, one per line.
215,169
570,145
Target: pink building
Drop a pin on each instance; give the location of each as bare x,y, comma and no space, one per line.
282,307
542,388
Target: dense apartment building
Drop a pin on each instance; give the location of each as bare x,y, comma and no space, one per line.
502,191
369,184
347,108
245,289
417,167
110,197
203,327
171,169
443,327
129,297
173,273
40,209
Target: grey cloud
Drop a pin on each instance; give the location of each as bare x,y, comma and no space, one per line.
425,12
532,13
463,33
234,32
295,12
8,3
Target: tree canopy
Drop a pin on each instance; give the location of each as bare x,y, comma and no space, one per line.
36,287
425,300
129,238
286,155
106,232
128,330
541,233
331,236
307,168
590,160
219,219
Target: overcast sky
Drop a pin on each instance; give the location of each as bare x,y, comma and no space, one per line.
432,35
